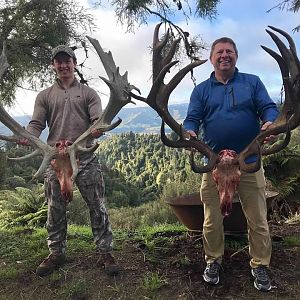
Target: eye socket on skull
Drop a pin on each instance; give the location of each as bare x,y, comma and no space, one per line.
61,144
227,153
68,143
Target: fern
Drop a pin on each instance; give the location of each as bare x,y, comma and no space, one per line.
23,207
282,170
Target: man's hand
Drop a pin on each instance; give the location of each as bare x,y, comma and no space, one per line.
190,134
96,133
270,138
23,142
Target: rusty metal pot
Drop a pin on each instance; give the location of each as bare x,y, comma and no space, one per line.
189,211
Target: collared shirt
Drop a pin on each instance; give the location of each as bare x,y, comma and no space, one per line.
67,112
229,114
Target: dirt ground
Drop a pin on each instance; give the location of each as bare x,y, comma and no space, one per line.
177,260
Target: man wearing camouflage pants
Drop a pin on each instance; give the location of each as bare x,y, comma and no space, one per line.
69,108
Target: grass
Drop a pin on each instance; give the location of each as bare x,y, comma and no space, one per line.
151,214
235,243
22,248
292,241
158,237
151,282
77,289
159,262
9,272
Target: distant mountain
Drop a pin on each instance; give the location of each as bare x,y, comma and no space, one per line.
135,119
145,119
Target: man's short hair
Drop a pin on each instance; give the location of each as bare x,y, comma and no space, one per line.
223,40
63,49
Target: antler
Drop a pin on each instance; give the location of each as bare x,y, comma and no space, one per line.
159,95
41,148
289,117
19,131
120,90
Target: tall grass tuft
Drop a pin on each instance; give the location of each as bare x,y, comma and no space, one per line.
151,214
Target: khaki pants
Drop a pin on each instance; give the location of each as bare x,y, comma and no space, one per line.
252,196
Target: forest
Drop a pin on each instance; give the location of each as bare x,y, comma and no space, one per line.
137,169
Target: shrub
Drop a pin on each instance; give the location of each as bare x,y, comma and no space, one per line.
151,214
23,207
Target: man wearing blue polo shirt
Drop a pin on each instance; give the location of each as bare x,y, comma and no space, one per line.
230,107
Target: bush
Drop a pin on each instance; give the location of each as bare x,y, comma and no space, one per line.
149,214
15,181
178,187
23,207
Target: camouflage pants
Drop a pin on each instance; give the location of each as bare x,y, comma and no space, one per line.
91,186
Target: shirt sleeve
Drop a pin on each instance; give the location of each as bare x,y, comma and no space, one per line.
39,117
266,107
195,111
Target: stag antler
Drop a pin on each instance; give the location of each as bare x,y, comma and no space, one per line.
159,95
120,90
289,117
19,131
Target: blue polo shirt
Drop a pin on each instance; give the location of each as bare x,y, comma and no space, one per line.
229,114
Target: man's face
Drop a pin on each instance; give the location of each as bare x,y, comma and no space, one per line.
64,66
223,57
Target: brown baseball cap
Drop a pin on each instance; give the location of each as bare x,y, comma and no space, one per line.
64,49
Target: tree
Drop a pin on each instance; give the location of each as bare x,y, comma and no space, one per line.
289,5
133,12
31,28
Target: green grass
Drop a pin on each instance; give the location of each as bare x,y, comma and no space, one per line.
151,282
162,256
158,237
21,248
150,214
150,231
9,272
235,243
292,241
77,289
20,243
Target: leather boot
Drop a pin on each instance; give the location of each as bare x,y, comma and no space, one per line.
50,263
107,261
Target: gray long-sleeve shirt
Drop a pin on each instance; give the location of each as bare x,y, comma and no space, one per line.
67,112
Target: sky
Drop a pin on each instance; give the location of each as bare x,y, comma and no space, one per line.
243,21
